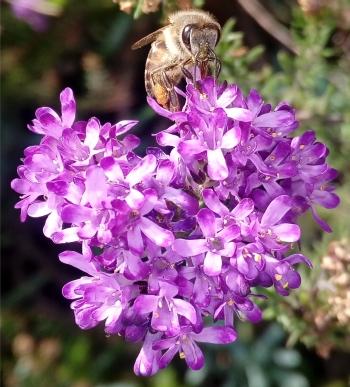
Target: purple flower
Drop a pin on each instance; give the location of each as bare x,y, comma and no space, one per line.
271,170
272,233
275,123
147,362
226,97
281,274
249,260
165,309
97,298
309,156
49,123
168,239
321,192
233,305
185,344
238,215
216,243
213,138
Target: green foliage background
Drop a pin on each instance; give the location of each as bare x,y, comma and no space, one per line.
303,341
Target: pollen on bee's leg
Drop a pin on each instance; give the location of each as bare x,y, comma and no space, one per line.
161,94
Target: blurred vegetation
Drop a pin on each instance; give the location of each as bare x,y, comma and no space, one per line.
87,47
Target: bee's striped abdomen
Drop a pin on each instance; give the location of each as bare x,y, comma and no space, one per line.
157,58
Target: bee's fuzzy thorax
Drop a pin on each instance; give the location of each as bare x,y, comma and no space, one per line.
192,16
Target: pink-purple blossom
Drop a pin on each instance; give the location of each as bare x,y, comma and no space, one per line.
170,238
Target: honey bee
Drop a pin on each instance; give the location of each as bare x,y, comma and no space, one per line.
179,49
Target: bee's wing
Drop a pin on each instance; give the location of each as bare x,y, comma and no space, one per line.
148,39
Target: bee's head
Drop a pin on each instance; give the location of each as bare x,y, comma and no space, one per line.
200,40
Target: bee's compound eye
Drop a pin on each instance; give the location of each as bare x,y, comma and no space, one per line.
218,35
186,34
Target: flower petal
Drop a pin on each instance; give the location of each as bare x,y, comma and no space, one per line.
231,138
146,363
145,303
213,202
216,335
190,247
92,133
158,109
217,167
77,260
182,199
185,309
37,209
96,187
239,114
165,171
68,107
325,199
71,213
160,236
135,241
322,223
298,258
212,264
207,222
124,126
243,209
135,199
276,210
188,148
229,233
193,355
254,315
66,236
53,224
168,356
163,344
287,232
274,119
111,168
69,289
144,169
167,139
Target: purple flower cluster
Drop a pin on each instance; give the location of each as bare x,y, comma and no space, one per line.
170,238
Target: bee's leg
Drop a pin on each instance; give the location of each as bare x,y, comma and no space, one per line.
159,91
187,73
166,80
217,66
199,65
217,63
174,104
196,64
173,99
163,86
